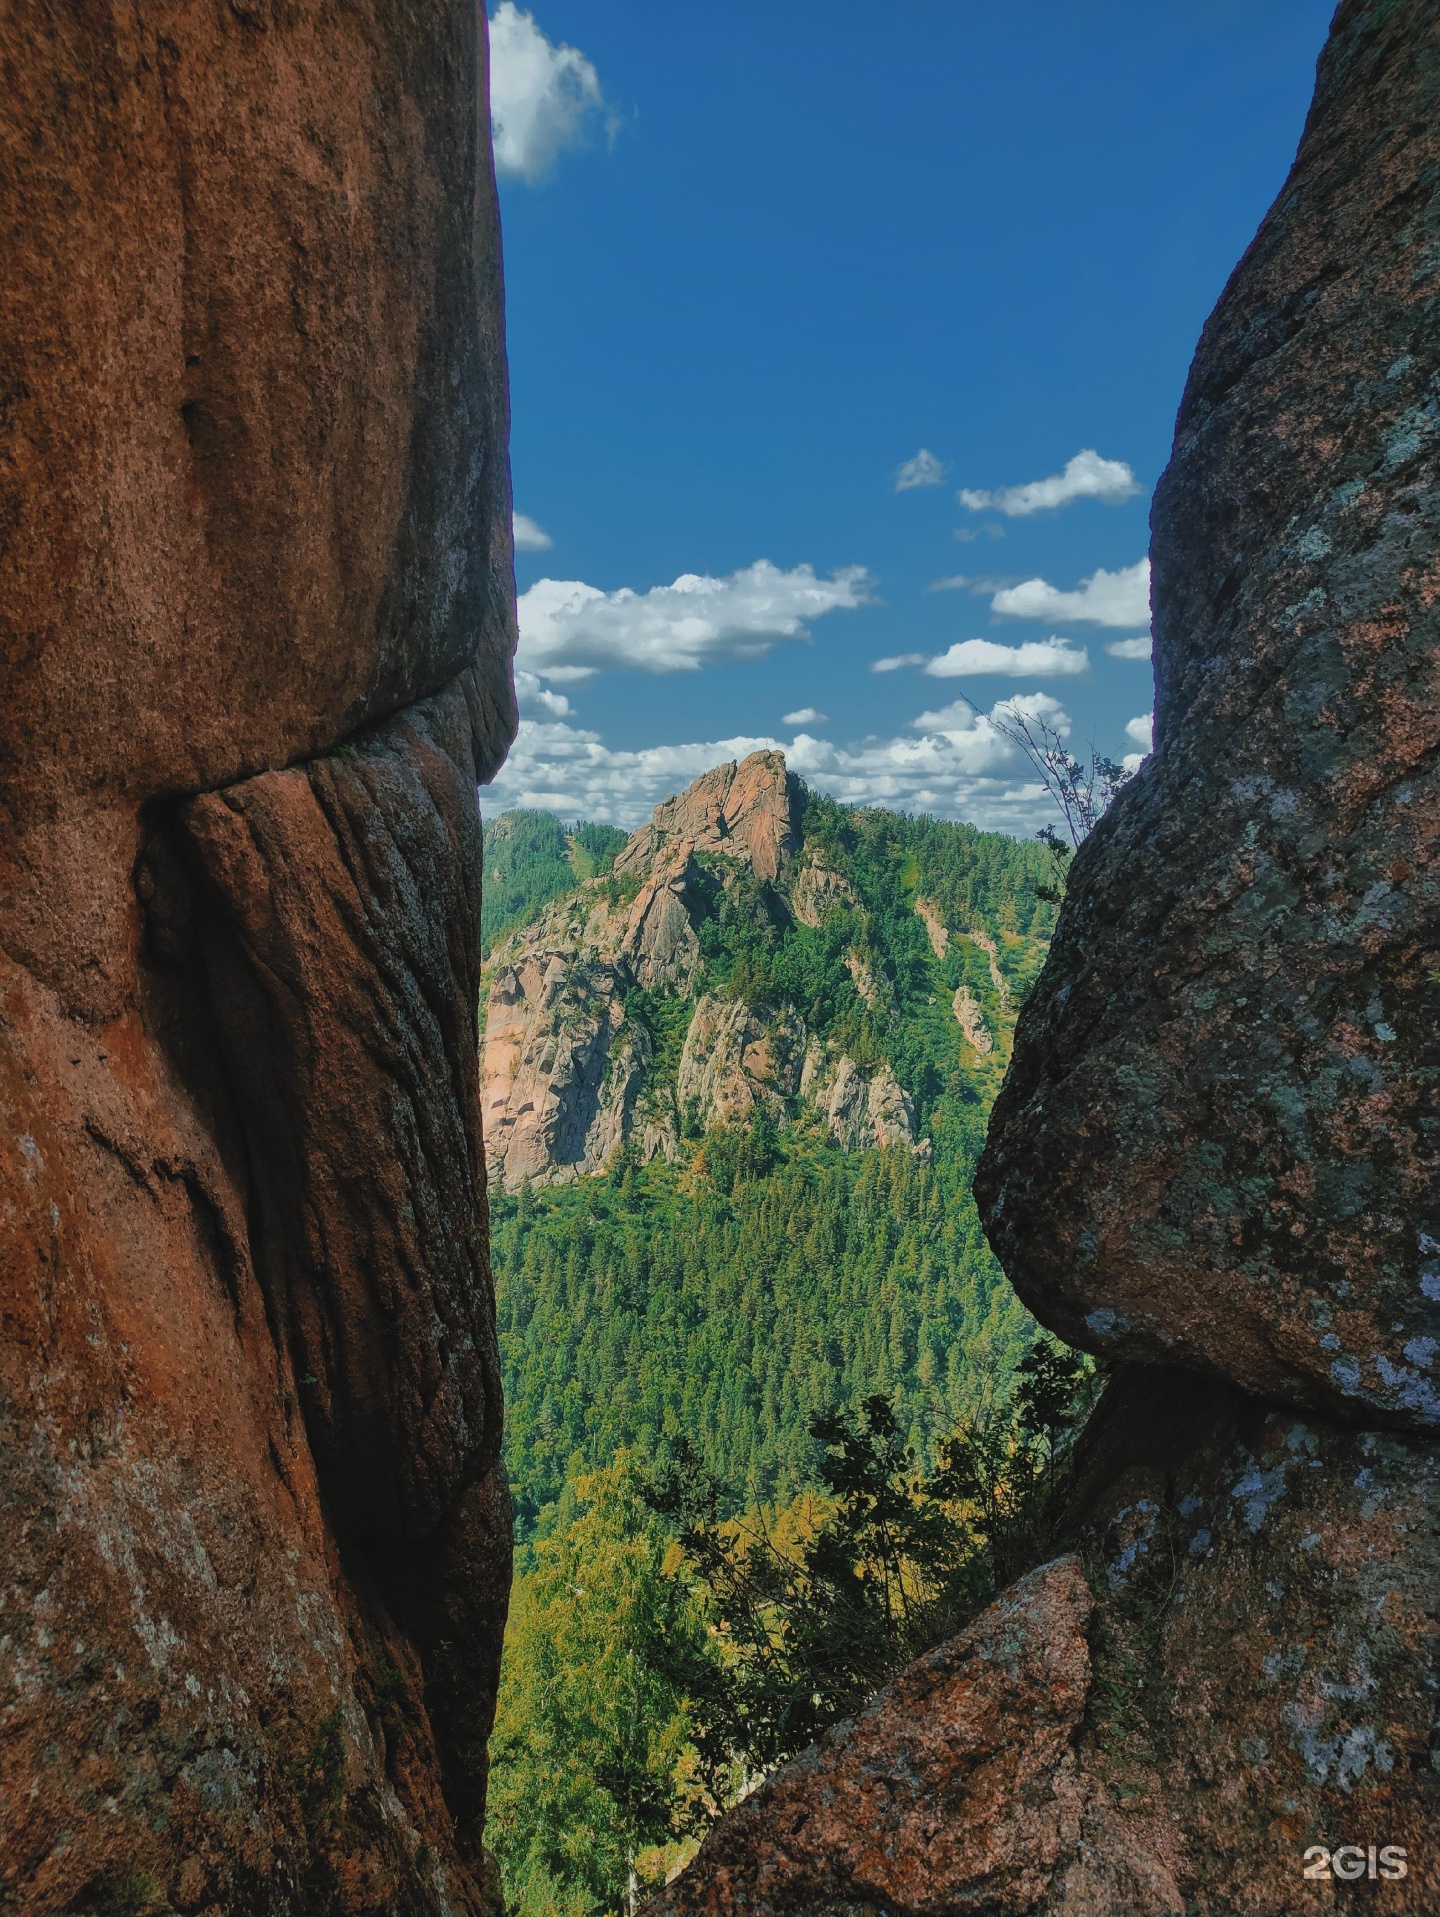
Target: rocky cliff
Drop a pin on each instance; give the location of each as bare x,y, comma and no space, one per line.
1213,1164
258,606
604,1026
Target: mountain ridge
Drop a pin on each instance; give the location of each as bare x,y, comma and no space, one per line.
649,1004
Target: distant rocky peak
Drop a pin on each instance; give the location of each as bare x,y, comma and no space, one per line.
748,810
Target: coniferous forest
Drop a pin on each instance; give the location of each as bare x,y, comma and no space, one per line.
724,1307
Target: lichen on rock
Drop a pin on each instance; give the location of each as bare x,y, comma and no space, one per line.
1248,952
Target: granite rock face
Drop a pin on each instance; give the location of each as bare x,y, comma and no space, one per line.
569,1069
1213,1160
1267,1658
1217,1143
259,614
745,809
954,1789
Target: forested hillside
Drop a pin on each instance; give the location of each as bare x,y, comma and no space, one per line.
737,1077
751,1272
531,858
740,1299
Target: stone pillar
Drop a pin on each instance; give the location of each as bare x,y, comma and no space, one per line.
257,591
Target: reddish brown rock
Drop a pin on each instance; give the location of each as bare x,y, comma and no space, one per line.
747,810
1266,1655
1217,1142
258,611
954,1789
1255,1675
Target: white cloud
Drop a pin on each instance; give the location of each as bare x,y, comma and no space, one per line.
953,584
570,631
1104,599
923,470
1141,731
542,97
959,767
1086,476
806,716
962,717
529,536
896,660
533,696
1130,648
1038,658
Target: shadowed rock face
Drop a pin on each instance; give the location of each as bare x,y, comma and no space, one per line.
259,611
1213,1158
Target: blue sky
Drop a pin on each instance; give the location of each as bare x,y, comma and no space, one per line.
757,258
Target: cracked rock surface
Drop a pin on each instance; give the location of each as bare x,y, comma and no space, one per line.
254,1548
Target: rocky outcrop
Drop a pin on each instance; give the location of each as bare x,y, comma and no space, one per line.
739,1063
935,928
1250,937
971,1019
563,1068
258,602
1266,1652
568,1073
819,890
955,1789
745,810
560,1079
1213,1158
981,938
860,1109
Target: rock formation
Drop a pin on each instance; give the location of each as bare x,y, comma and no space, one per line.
1213,1161
569,1072
971,1019
259,610
1250,939
955,1785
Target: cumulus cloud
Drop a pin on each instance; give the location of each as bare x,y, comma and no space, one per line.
898,659
1141,731
807,716
952,584
1086,476
1037,658
529,536
1104,599
535,697
543,97
570,631
963,717
923,470
960,766
1130,648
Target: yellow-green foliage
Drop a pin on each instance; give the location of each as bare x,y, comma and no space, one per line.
587,1758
